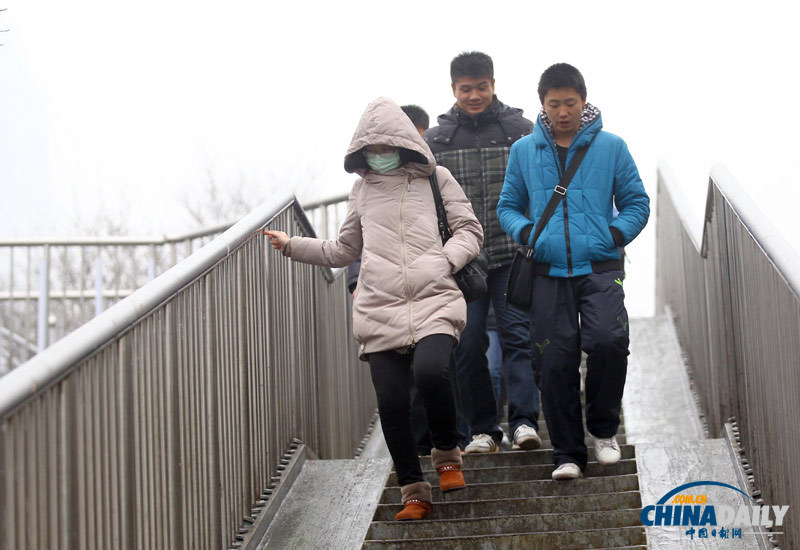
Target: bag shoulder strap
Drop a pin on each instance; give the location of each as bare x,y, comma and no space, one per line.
441,214
559,192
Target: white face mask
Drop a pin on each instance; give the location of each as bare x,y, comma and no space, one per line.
383,162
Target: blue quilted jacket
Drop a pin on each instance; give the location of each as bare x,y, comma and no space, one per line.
577,240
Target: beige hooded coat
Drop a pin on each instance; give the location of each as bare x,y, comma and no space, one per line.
405,290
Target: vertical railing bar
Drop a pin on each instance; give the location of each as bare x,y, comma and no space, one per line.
8,508
84,276
29,336
126,433
65,269
20,528
174,526
111,405
10,307
244,381
44,300
211,405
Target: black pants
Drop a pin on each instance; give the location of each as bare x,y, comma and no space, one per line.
391,376
557,338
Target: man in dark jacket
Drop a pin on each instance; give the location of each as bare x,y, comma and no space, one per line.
577,289
473,140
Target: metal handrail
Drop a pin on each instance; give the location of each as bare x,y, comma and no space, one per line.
736,305
117,239
777,248
54,284
54,362
162,423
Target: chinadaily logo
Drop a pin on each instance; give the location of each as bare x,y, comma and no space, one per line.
710,509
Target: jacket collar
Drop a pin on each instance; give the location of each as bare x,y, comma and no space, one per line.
591,123
490,114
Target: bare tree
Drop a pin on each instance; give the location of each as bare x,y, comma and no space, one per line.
222,201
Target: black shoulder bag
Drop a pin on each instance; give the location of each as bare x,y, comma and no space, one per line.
472,278
519,289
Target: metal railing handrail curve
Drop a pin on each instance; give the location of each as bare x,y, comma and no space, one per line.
117,239
54,362
775,245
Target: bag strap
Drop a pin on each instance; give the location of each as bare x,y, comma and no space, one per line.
559,192
441,214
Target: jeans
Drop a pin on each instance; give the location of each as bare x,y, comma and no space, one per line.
474,384
495,357
391,376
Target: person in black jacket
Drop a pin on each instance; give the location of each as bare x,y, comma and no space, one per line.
473,140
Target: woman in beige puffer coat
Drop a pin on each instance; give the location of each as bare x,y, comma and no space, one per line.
407,311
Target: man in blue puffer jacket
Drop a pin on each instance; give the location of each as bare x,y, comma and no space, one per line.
578,296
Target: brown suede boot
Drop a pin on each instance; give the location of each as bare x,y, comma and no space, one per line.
416,499
448,466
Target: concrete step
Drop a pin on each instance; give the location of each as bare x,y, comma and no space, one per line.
525,473
527,489
519,458
511,502
614,519
522,506
626,537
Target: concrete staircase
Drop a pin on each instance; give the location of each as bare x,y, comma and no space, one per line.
510,502
348,504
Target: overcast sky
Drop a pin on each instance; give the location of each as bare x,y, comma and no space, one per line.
125,108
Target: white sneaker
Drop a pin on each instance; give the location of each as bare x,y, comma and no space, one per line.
526,438
607,451
568,470
482,443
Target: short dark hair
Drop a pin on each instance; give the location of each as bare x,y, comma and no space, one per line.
561,75
473,64
417,115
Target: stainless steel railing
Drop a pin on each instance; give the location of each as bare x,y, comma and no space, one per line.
51,286
735,295
159,423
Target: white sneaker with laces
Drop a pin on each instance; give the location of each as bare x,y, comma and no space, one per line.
526,438
607,451
568,470
482,443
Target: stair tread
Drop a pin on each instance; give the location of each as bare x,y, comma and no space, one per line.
532,488
523,506
625,537
509,524
527,472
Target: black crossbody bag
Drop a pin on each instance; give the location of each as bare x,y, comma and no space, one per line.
472,278
519,289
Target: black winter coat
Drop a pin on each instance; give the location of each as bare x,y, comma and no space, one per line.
475,149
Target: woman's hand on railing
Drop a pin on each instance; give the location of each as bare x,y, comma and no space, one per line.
278,239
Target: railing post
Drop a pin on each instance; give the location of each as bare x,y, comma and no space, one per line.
151,264
212,406
244,380
172,421
44,305
324,222
98,286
